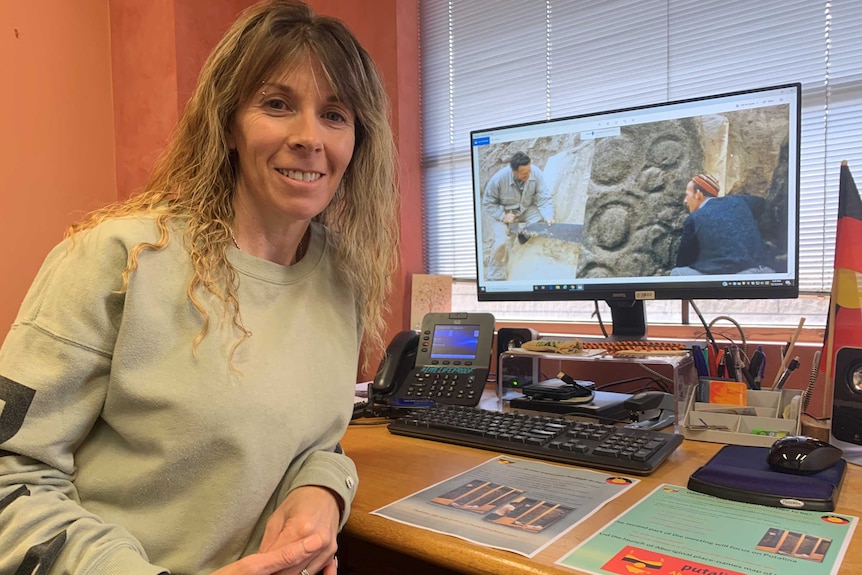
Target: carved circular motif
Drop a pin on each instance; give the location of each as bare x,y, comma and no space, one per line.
610,226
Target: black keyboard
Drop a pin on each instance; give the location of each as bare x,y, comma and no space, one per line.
583,443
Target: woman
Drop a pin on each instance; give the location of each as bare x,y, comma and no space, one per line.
181,371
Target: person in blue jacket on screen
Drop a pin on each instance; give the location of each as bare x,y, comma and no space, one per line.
516,194
720,234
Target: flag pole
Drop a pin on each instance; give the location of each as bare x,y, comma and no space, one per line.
830,342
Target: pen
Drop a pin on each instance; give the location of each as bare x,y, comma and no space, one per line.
790,347
762,366
791,367
699,363
705,425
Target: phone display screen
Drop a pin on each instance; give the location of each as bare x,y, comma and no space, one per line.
455,342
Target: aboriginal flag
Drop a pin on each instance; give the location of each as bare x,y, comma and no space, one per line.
845,304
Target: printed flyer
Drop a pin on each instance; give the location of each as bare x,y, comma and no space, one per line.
508,503
675,531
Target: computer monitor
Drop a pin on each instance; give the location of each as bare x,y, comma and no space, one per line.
603,212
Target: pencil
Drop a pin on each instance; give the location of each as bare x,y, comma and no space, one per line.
789,353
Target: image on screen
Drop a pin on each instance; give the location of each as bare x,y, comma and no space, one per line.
455,342
602,213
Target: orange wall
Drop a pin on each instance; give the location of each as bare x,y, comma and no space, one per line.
96,88
56,139
157,48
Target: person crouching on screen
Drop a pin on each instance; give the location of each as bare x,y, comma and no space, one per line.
720,234
180,374
516,194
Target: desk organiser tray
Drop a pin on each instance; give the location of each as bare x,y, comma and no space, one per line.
758,423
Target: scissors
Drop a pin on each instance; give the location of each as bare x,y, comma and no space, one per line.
720,363
756,367
713,360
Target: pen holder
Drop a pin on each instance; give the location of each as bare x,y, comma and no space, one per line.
765,417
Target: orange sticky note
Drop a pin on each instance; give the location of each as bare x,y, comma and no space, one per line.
728,392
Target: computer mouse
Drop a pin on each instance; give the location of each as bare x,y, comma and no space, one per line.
802,454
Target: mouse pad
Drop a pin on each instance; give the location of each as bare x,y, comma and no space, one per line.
740,473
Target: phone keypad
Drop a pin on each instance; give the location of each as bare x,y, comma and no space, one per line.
449,388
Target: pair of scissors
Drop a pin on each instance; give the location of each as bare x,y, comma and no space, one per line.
720,363
712,353
756,367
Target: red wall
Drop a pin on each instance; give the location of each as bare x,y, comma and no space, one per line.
56,131
92,90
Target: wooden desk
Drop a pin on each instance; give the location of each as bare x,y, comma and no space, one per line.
392,467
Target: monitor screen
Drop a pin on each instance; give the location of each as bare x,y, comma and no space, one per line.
688,199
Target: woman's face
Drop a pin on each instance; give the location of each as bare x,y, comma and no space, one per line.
294,141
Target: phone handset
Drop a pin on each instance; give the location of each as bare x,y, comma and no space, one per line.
397,362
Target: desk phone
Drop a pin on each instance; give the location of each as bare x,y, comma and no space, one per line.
446,362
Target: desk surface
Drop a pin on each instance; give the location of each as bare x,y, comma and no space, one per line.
391,467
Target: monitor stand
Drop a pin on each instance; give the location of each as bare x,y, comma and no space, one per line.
628,320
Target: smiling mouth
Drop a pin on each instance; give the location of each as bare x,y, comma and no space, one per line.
300,176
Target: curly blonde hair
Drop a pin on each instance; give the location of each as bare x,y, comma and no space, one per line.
193,182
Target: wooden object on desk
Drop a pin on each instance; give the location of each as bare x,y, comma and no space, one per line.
392,467
816,428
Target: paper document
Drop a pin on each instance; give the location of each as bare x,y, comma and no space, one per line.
675,531
508,503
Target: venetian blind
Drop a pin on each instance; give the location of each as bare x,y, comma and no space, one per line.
488,63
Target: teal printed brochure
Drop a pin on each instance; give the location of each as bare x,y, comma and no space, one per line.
675,531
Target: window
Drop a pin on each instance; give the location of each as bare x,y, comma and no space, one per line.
487,63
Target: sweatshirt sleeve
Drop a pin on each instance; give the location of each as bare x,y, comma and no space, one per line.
335,471
54,371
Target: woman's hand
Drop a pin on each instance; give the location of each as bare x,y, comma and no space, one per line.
300,534
306,512
290,559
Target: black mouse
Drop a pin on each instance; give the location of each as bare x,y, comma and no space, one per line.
801,454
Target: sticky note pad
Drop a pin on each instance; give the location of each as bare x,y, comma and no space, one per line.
728,392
